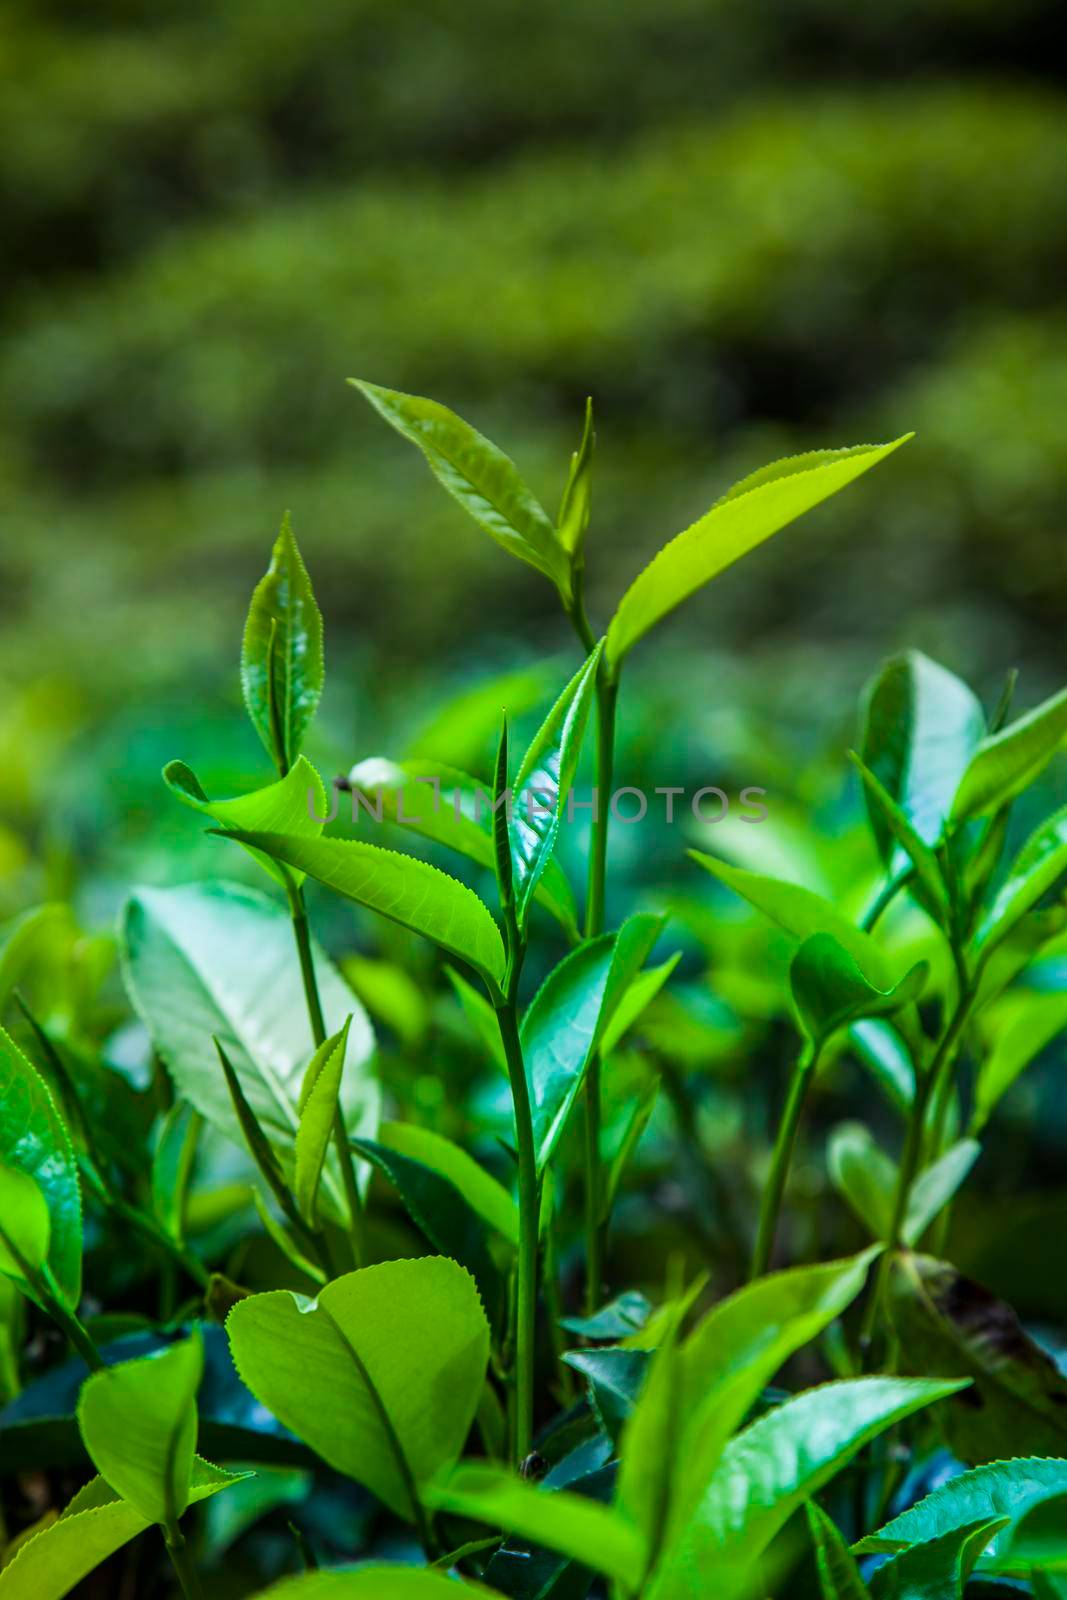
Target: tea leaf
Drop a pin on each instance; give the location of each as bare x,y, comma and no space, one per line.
867,1178
34,1142
139,1423
482,478
215,960
380,1375
938,1568
400,887
172,1166
746,515
830,990
1040,864
283,807
1002,1489
593,1534
839,1576
544,781
24,1225
564,1022
445,805
1020,1031
921,726
283,641
95,1524
317,1105
896,823
485,1196
1005,763
1019,1400
771,1468
574,511
372,1582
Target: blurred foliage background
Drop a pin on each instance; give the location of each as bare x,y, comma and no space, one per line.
743,230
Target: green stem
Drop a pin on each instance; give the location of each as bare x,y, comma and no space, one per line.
64,1318
529,1218
181,1561
885,897
302,934
911,1160
784,1145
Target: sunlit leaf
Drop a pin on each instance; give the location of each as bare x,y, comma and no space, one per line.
283,641
1004,763
34,1141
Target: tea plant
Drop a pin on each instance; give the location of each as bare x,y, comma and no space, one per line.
455,1411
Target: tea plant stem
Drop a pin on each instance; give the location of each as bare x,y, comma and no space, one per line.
910,1162
522,1390
885,897
75,1330
181,1561
302,934
784,1144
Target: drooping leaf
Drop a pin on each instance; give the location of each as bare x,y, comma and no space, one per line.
482,478
773,1466
1041,862
626,1314
575,1526
938,1570
139,1424
543,783
1002,1489
400,887
380,1375
801,913
283,640
1005,763
839,1576
566,1019
1018,1402
95,1524
318,1105
573,519
214,960
921,726
746,515
451,808
34,1141
24,1225
831,991
736,1349
295,804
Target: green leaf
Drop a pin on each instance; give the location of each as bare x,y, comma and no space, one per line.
391,995
839,1576
637,999
640,1116
481,1017
24,1225
318,1105
771,1468
736,1349
27,938
1018,1403
372,1582
138,1422
1007,762
887,1059
801,913
34,1141
1002,1489
485,1196
214,960
283,640
938,1570
1021,1027
438,1209
283,807
746,515
626,1314
172,1165
651,1449
574,511
1041,862
614,1379
451,808
593,1534
380,1375
482,478
399,887
921,726
831,991
867,1179
95,1524
565,1020
544,782
896,822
